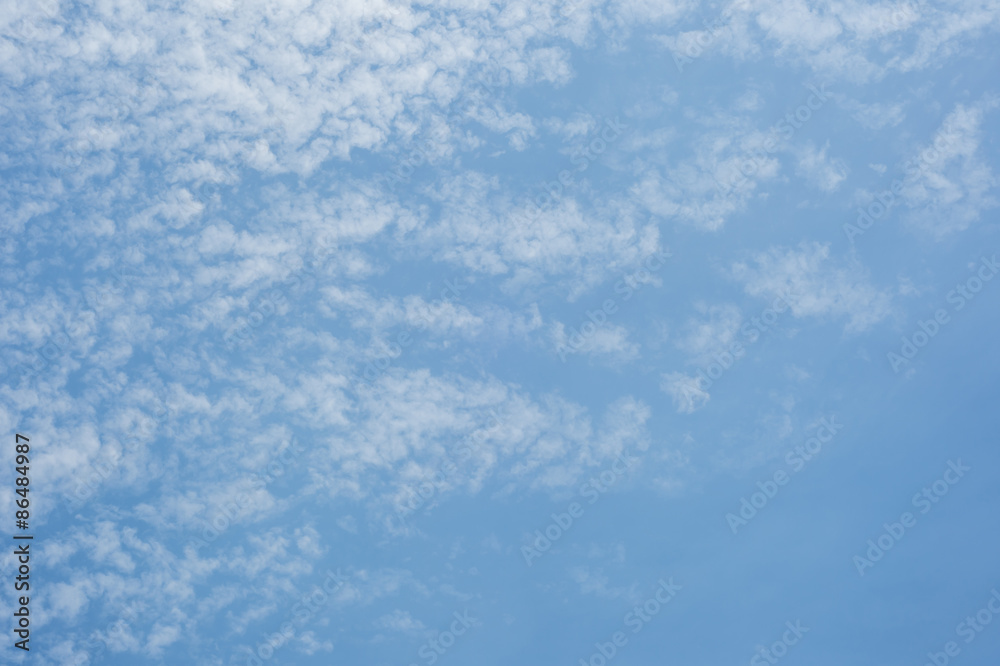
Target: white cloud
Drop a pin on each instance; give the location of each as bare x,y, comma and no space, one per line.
951,184
209,153
821,171
570,240
686,392
401,621
729,163
712,332
608,341
850,40
816,285
594,581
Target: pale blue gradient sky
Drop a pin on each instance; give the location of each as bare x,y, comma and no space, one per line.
273,270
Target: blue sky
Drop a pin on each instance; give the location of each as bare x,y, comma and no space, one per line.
541,332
